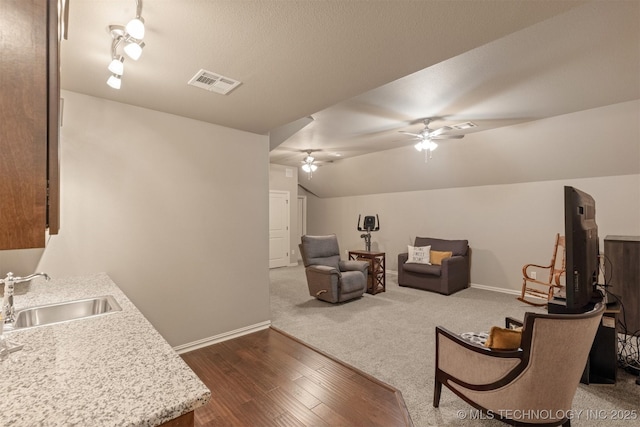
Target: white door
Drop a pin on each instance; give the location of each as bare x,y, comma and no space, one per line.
278,229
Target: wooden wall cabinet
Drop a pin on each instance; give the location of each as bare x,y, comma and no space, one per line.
29,122
623,271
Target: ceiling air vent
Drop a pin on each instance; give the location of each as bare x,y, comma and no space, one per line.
213,82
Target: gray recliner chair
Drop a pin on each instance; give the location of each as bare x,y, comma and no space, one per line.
329,278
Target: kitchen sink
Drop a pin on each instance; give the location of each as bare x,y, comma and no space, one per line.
65,311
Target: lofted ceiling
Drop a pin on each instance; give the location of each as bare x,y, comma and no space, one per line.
363,70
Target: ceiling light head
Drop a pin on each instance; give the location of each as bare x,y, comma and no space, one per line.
135,28
117,65
134,49
115,81
308,168
426,144
309,159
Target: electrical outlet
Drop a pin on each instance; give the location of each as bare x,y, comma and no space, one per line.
533,275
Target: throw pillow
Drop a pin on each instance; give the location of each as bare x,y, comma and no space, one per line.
419,255
437,257
504,339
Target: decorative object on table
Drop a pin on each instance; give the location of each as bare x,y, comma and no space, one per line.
542,290
329,278
445,271
370,224
539,379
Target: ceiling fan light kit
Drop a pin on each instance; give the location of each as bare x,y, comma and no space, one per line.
130,38
309,166
428,136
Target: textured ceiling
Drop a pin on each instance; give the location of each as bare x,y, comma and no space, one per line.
294,58
362,69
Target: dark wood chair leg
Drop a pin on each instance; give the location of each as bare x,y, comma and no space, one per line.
437,389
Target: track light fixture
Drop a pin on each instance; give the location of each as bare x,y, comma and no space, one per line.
128,37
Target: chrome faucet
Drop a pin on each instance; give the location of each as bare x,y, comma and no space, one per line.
8,310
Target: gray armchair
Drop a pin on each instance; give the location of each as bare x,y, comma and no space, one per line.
328,277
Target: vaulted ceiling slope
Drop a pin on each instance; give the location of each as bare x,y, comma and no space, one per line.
585,58
294,58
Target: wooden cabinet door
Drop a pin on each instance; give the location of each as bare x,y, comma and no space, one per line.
23,123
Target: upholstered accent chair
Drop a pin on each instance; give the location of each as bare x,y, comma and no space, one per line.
329,278
539,379
445,276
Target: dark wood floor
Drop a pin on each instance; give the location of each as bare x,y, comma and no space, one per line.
269,378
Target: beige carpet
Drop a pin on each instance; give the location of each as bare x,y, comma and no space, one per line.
391,336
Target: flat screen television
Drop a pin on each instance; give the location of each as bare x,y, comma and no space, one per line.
582,251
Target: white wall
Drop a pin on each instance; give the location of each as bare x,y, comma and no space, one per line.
148,198
507,225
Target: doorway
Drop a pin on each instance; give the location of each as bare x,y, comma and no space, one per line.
278,228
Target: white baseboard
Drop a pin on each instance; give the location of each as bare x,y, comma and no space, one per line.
184,348
494,289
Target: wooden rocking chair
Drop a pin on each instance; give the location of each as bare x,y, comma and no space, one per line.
538,289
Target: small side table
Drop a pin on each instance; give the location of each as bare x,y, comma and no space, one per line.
376,280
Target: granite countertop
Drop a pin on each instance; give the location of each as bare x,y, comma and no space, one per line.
108,370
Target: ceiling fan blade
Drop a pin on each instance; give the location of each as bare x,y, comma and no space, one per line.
440,130
464,125
412,134
447,137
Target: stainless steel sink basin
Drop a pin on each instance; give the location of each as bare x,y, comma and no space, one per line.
65,311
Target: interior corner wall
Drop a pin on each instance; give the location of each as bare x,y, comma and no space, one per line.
285,178
161,203
507,225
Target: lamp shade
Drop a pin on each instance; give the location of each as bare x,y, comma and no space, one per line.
426,145
135,28
309,167
115,81
117,65
134,50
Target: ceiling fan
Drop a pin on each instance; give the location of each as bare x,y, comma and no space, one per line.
309,164
427,137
